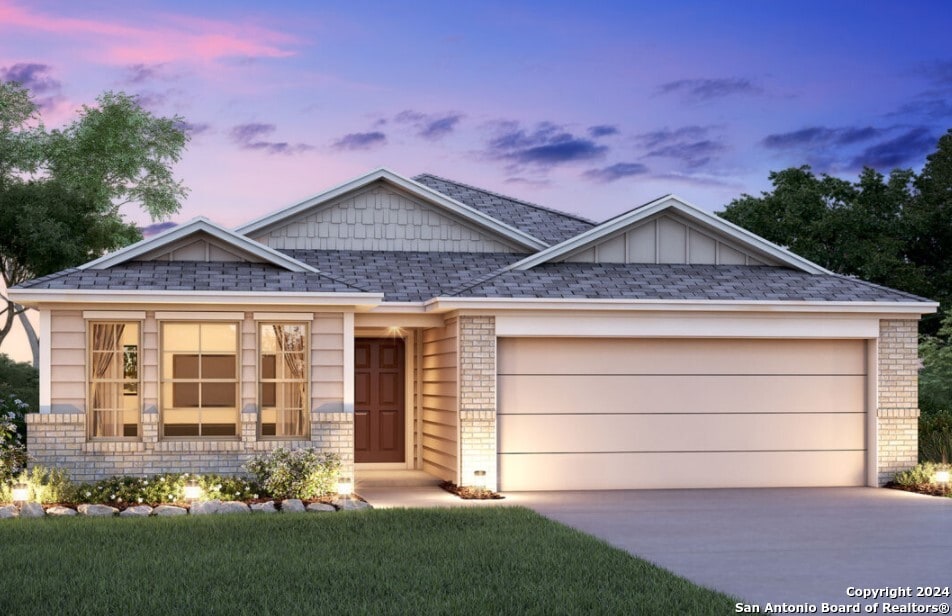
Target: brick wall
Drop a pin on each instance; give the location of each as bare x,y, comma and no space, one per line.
897,412
477,402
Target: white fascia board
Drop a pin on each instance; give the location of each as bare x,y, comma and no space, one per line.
424,192
33,297
198,225
444,304
673,202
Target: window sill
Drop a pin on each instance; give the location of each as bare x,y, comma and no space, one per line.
198,445
113,446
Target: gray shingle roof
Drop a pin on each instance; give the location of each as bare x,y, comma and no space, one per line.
543,223
680,282
405,276
192,276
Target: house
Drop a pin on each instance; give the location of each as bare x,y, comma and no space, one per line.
426,324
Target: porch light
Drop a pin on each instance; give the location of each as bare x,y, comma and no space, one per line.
396,332
345,487
479,479
21,493
193,491
941,477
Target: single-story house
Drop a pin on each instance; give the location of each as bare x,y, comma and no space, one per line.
430,325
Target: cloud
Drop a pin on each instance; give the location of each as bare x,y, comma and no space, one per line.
361,141
156,228
615,172
429,126
821,137
547,145
691,145
930,109
533,183
602,130
666,136
939,72
137,74
36,78
911,146
251,137
709,89
193,128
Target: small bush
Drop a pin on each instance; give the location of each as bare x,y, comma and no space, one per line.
47,485
920,474
166,488
20,380
935,436
301,473
13,455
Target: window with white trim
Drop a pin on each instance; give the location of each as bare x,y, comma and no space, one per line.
114,391
283,379
199,379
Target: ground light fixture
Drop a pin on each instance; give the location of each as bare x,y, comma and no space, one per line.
479,480
21,493
941,477
345,487
193,491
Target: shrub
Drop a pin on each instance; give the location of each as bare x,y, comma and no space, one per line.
167,488
13,455
935,436
920,474
21,380
301,473
47,485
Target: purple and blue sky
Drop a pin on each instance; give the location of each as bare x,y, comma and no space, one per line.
591,108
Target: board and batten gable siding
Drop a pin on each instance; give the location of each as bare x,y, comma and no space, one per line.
440,400
67,361
380,217
667,238
203,248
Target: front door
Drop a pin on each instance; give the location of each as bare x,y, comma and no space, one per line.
379,418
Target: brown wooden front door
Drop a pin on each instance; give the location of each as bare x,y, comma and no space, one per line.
379,418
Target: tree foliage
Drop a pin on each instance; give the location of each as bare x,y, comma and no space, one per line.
61,191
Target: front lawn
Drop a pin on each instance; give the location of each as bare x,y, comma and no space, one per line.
502,560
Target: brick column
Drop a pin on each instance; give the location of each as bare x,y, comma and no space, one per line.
897,412
477,398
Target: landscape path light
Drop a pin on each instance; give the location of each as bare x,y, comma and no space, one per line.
941,477
21,493
193,491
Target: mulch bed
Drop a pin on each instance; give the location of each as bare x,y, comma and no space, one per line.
930,489
470,493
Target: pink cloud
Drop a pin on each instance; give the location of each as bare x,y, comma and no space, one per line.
168,38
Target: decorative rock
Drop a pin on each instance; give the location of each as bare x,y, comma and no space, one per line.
139,511
32,510
292,505
321,507
60,511
169,510
205,507
97,510
9,511
352,504
267,507
233,507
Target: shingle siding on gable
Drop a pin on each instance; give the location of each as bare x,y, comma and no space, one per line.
667,239
380,218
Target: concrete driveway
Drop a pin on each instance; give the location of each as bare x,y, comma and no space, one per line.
801,545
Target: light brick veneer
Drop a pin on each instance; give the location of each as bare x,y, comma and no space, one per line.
477,398
897,413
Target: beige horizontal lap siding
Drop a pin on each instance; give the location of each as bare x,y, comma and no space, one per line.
678,413
439,401
327,363
67,361
381,218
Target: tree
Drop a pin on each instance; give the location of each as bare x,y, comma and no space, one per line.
61,191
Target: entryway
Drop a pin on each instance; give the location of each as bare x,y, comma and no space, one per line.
379,400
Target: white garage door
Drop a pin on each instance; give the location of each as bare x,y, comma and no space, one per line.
581,413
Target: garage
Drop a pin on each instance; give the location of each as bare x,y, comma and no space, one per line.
606,413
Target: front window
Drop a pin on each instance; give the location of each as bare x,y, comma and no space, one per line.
199,379
114,380
283,379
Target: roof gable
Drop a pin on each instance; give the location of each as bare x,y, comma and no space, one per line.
198,240
442,203
713,233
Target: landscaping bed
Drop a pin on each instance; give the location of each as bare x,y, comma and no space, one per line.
424,561
926,478
470,493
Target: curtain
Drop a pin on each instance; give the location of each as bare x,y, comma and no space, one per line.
290,395
107,402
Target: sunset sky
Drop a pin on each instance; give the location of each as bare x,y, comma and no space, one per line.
591,108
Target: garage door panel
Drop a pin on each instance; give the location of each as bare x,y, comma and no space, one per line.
680,356
519,394
625,471
682,433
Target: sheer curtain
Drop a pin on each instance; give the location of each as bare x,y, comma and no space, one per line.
108,369
291,394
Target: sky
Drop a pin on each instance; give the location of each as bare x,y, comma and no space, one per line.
587,107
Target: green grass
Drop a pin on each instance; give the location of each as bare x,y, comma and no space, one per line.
503,560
